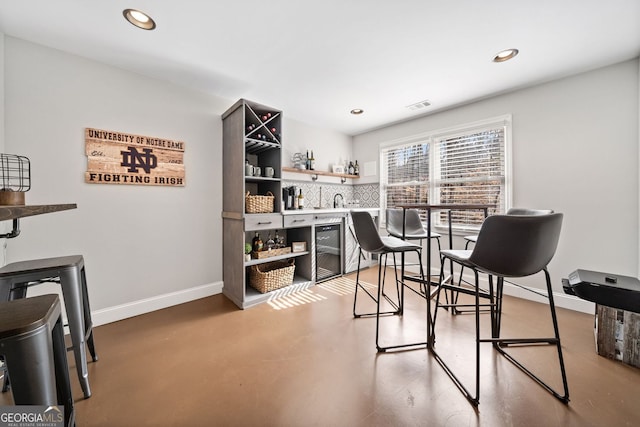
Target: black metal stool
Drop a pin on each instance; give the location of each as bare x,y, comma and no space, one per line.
370,241
69,271
32,343
507,246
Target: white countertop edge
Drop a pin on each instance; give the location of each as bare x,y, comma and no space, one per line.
327,211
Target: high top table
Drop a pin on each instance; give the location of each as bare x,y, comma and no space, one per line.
430,208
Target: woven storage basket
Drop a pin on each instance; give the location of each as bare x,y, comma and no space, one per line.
259,204
270,276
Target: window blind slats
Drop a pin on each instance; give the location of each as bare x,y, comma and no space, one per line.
467,168
471,171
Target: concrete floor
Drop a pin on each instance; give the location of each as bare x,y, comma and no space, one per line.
303,360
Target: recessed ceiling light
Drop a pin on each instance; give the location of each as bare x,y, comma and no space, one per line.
357,111
505,55
139,19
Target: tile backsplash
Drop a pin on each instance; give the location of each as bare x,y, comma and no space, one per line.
367,195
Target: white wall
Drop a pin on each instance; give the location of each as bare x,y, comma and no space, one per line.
575,150
329,147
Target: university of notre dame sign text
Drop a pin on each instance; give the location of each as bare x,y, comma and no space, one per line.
122,158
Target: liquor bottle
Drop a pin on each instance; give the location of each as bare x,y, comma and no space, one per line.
300,200
307,164
295,201
351,168
312,162
257,243
277,240
356,169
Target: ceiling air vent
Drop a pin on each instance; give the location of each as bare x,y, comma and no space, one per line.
418,105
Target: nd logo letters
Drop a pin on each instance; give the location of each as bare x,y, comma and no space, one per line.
134,160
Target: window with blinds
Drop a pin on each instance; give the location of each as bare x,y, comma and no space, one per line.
465,165
407,174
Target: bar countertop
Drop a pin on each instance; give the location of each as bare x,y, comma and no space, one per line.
21,211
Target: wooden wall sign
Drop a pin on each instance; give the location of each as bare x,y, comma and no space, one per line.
122,158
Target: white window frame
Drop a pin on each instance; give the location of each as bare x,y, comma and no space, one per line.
432,139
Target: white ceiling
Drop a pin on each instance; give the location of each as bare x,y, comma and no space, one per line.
318,60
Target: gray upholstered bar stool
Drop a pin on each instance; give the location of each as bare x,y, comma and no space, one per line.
69,271
32,343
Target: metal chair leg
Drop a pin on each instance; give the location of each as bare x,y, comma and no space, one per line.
358,286
402,286
474,400
503,342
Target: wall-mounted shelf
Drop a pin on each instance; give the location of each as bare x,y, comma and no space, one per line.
13,212
343,176
275,258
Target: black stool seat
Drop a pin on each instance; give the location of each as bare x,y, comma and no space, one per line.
69,271
32,343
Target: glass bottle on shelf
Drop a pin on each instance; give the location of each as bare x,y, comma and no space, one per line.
277,240
351,169
356,169
257,243
270,243
300,200
312,162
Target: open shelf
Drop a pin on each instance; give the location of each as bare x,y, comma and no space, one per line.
275,258
322,173
254,146
14,212
253,297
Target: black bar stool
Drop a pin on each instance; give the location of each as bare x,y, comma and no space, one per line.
69,271
507,246
32,343
370,241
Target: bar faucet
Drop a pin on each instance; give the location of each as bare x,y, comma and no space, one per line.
335,201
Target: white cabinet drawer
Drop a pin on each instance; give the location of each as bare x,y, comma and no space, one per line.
298,221
262,221
328,218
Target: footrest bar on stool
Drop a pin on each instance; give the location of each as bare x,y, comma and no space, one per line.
396,347
385,313
505,342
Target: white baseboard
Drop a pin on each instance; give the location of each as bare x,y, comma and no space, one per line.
569,302
136,308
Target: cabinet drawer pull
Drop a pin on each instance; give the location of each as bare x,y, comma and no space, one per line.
299,220
264,223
